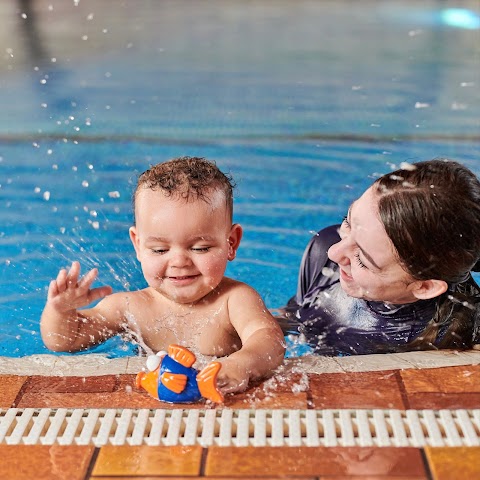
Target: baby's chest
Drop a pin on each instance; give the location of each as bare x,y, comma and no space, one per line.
208,334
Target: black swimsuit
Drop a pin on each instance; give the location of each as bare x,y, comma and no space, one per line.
336,324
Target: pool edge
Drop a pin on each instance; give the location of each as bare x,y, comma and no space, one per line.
96,365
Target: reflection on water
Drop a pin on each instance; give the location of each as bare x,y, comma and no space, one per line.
303,102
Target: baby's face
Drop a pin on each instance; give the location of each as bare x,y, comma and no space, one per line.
183,247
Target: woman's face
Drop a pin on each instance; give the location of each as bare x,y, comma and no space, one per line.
369,268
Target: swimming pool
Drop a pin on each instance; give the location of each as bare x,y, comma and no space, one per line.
302,102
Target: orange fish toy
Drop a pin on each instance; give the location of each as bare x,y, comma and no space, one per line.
171,377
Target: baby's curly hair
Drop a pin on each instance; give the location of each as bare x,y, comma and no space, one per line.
187,178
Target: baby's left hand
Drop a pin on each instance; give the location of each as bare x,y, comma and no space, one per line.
233,376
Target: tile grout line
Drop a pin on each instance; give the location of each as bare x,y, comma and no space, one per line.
309,395
203,462
91,464
403,390
426,464
21,392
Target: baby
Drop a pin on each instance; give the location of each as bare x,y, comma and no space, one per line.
183,237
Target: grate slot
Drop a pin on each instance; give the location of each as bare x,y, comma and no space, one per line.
313,432
192,428
23,421
39,427
156,431
470,436
244,430
227,427
382,429
260,428
346,425
142,427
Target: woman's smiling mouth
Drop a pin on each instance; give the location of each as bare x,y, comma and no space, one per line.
345,276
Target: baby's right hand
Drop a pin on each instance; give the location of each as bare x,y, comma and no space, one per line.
67,292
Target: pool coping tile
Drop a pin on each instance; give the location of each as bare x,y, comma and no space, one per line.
97,364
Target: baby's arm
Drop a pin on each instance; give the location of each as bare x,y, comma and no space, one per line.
63,326
263,345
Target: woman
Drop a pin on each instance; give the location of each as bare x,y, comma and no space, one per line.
395,275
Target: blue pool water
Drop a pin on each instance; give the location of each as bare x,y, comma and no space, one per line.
302,102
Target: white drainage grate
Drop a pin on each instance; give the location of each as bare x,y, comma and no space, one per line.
225,427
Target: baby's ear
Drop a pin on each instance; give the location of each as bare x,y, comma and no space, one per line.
134,238
234,238
425,289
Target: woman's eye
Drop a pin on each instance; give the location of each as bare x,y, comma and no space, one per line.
159,250
359,261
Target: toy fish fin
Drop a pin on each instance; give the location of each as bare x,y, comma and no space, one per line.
148,381
176,382
181,355
207,382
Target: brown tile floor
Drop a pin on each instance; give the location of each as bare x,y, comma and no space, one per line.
435,388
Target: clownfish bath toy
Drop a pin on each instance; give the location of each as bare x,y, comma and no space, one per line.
171,377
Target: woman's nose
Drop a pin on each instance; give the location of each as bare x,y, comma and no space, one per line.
339,252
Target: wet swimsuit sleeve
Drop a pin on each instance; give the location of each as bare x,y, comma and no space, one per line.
312,276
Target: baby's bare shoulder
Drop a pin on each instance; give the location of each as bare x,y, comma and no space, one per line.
126,301
234,287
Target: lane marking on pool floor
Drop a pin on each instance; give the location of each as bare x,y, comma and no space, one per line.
229,427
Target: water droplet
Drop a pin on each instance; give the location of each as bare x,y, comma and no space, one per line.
421,105
327,272
407,166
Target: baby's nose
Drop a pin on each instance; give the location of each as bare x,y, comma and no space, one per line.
179,259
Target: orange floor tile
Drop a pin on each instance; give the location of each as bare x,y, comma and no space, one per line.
145,460
357,390
314,461
10,388
454,463
41,462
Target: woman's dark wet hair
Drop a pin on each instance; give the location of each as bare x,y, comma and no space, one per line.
187,178
431,213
